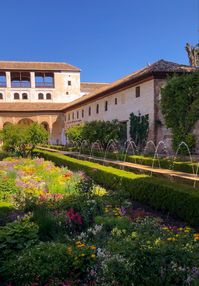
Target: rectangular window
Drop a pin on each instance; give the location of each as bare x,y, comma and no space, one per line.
77,114
69,117
73,116
44,80
82,113
20,79
2,79
137,91
106,105
69,82
89,111
115,101
97,108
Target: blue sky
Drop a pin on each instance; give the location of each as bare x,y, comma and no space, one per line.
107,39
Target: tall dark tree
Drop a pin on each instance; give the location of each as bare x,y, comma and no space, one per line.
180,107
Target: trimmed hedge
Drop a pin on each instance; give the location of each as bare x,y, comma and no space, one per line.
181,166
174,198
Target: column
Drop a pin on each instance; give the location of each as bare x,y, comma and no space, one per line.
32,79
8,79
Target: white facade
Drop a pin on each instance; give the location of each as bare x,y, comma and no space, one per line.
119,106
66,89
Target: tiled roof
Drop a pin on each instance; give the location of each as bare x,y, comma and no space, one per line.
159,68
38,66
30,106
91,86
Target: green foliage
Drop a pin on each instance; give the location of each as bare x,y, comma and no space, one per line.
177,199
92,131
47,262
48,229
148,255
17,235
139,128
180,107
75,132
22,139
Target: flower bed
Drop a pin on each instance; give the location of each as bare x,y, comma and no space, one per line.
61,229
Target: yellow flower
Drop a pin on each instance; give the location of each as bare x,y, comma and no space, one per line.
180,228
171,238
196,236
82,254
69,249
93,247
81,245
78,242
93,255
165,228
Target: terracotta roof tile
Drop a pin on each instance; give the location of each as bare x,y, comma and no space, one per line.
39,66
159,67
91,86
30,106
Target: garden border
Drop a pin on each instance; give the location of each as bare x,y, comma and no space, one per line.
177,199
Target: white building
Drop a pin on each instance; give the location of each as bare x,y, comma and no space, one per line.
52,94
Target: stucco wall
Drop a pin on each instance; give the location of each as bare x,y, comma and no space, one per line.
126,104
62,92
55,122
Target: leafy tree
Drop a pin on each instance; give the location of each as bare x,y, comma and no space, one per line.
22,139
180,107
92,131
139,128
74,133
103,131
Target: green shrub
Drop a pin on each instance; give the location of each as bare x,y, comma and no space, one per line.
48,229
149,255
4,155
17,235
174,198
45,262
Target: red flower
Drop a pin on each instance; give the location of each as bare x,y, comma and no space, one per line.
74,216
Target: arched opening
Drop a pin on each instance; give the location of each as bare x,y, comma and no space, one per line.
25,121
48,96
24,96
45,125
6,124
40,96
16,96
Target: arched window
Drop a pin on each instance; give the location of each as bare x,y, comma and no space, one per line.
40,96
48,96
24,96
1,96
16,95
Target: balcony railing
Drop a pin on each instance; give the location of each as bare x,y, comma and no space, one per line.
44,84
17,84
2,84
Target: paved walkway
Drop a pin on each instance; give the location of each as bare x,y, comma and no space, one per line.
122,164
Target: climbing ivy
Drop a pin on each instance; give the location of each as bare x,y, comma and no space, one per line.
139,127
180,107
